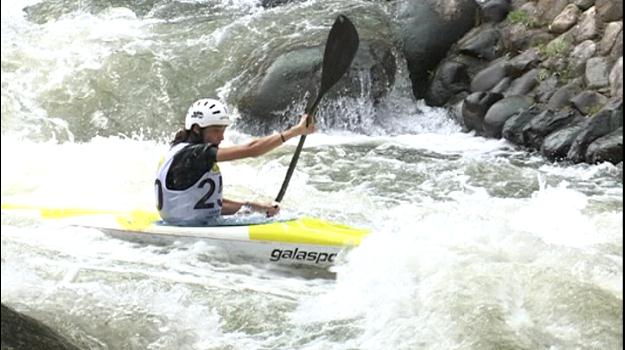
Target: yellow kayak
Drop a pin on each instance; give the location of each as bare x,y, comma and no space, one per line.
302,241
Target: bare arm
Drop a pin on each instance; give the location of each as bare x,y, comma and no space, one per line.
265,144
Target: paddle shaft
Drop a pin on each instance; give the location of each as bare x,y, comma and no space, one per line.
340,50
298,150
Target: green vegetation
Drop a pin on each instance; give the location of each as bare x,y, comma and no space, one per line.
544,74
566,75
556,48
522,17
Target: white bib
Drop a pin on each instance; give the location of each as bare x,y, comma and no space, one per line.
194,205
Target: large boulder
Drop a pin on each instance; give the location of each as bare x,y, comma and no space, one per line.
524,84
427,29
513,128
523,62
484,42
610,35
490,76
450,78
588,102
23,332
603,123
495,10
474,108
548,10
557,144
610,10
284,83
565,20
535,132
562,97
546,88
501,111
597,72
608,148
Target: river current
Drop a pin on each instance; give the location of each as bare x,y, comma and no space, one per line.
475,244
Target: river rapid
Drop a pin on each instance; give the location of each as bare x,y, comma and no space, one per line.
475,244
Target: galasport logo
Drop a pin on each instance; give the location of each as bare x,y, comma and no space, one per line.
301,255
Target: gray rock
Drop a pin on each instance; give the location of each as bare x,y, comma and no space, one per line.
522,62
562,97
502,86
474,108
495,10
455,108
581,54
558,144
489,77
610,10
474,65
587,29
427,29
584,4
608,148
601,124
617,49
21,332
535,132
529,7
565,20
546,88
597,73
501,111
513,128
483,42
610,35
289,76
616,79
549,9
518,38
589,102
524,84
450,79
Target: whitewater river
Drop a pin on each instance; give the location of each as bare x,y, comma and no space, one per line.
475,244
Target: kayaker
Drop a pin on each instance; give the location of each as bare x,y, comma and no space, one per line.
189,183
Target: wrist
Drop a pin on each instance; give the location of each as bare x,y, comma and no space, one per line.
289,133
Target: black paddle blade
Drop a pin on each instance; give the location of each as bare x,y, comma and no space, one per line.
340,51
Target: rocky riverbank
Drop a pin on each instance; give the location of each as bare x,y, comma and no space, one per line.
547,75
543,74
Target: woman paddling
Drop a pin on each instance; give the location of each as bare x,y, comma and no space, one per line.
189,183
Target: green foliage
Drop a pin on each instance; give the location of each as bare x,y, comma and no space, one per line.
556,48
522,17
566,75
543,74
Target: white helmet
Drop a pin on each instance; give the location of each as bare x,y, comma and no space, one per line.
206,112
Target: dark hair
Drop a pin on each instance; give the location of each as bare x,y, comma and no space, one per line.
184,135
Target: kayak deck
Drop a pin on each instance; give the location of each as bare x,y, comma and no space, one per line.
303,241
300,241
